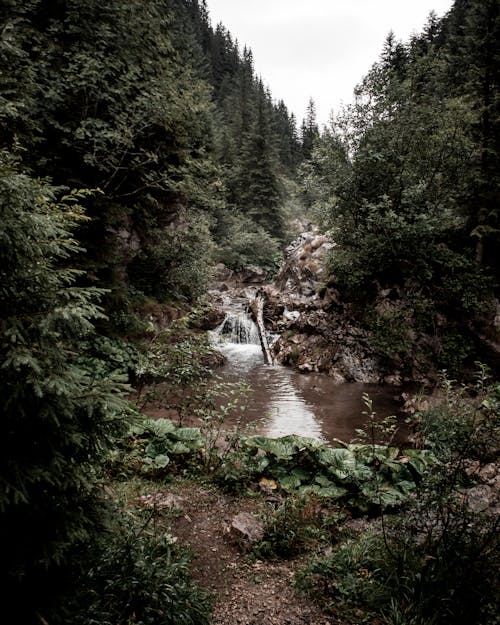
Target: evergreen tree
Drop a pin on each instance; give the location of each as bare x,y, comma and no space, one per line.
258,185
115,108
473,47
402,176
309,130
58,421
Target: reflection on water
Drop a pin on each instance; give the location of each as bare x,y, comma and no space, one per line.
307,404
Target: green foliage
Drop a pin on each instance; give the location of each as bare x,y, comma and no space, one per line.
176,354
103,356
174,264
173,368
157,447
393,333
457,347
298,524
365,477
58,420
437,561
243,243
400,178
349,577
466,423
135,576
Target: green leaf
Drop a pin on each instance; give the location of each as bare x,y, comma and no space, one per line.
160,462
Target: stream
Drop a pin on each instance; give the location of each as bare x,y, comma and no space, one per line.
284,401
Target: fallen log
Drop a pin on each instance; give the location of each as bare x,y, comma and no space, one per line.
258,311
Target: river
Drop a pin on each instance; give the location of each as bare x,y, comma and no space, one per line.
284,401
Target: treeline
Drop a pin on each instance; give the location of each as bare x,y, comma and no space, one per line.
189,159
408,179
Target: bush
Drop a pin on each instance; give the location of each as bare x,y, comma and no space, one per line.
299,523
437,562
174,264
59,420
243,243
135,577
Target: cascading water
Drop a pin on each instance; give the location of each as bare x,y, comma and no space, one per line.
285,411
238,328
286,402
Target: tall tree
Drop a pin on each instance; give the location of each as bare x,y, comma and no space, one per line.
309,130
58,421
259,189
473,46
116,109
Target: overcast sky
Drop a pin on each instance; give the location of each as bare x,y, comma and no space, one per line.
318,48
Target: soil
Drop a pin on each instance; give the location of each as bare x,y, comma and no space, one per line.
247,591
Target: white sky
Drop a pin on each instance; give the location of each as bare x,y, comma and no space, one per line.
318,48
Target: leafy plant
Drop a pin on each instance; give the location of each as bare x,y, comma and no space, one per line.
298,524
158,447
135,576
437,560
363,476
59,420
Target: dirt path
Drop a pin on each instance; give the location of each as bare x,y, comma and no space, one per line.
248,592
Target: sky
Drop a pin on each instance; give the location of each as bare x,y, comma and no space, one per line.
318,48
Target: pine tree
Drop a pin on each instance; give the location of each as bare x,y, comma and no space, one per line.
258,184
473,48
309,130
58,422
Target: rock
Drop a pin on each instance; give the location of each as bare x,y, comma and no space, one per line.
303,271
480,498
246,529
291,315
160,501
337,378
307,367
222,273
358,367
394,380
490,475
127,241
252,275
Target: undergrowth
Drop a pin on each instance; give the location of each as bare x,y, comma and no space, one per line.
437,560
136,576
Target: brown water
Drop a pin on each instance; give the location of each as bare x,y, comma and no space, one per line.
286,402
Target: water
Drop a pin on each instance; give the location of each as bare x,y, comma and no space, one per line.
286,402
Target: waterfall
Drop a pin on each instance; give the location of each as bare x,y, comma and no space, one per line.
239,329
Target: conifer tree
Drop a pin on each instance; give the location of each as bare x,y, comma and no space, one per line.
58,421
473,47
309,130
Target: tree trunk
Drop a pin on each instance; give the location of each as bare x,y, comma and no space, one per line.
258,311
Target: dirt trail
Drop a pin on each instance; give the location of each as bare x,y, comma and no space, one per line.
248,592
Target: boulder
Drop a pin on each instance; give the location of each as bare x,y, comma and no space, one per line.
246,529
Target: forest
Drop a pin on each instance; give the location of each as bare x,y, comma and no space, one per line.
140,155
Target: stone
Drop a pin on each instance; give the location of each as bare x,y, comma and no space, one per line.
480,498
252,275
490,474
246,528
161,501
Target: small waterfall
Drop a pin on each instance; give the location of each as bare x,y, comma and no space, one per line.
239,329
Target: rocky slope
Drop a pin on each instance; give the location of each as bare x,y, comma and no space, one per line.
317,329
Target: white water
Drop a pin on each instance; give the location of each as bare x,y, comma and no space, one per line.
285,410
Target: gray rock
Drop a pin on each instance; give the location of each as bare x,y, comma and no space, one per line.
480,498
246,528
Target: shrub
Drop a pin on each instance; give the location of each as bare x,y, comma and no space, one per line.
59,420
438,560
299,523
137,577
